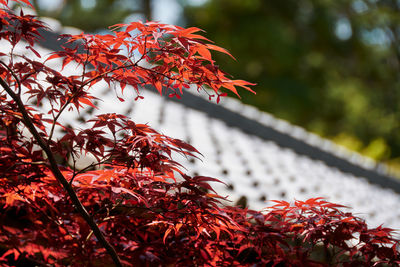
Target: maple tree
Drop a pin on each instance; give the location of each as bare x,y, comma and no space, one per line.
134,205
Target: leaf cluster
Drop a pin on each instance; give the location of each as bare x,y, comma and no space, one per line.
134,205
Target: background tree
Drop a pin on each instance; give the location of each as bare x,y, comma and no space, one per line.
331,66
93,15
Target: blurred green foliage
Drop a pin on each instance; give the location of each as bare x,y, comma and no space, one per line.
92,15
331,66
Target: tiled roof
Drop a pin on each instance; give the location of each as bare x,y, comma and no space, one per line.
259,157
259,168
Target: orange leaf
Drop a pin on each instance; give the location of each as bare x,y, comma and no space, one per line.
190,30
219,49
11,198
177,227
158,86
204,52
87,102
166,234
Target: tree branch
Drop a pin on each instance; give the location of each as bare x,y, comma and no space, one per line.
60,177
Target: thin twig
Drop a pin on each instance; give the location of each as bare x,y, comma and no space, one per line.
14,75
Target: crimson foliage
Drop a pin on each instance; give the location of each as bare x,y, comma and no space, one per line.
134,205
